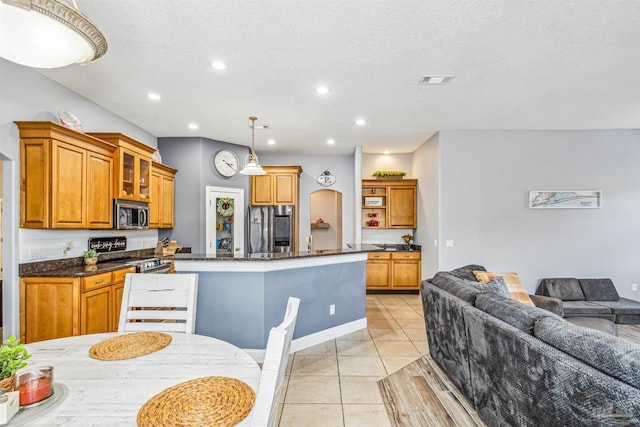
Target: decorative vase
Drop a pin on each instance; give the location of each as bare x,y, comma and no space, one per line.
9,384
91,261
407,246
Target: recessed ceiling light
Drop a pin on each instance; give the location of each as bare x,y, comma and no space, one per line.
361,122
436,80
386,151
154,96
322,90
193,126
331,141
218,65
271,141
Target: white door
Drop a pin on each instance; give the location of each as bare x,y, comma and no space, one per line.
225,221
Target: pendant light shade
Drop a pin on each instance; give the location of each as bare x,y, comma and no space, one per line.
47,34
251,164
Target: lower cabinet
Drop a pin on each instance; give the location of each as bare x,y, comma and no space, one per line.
52,307
393,271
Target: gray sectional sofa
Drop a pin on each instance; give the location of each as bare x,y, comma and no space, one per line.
526,366
591,298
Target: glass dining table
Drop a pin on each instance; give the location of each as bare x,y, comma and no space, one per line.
91,392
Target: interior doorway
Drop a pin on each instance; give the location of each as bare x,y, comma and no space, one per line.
326,219
1,264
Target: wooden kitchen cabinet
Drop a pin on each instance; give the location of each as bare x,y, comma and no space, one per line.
61,307
161,205
389,203
66,178
399,270
132,166
378,270
278,187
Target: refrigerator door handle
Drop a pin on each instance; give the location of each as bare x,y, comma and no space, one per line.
271,225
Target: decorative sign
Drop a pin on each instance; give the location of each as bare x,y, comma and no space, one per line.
108,244
565,199
326,179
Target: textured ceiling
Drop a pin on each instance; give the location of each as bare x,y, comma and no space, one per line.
517,65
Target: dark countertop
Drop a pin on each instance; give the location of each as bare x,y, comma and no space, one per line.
351,249
74,267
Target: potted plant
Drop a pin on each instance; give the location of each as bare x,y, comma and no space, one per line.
407,241
13,356
90,256
389,174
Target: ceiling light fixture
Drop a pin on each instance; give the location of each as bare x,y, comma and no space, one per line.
322,90
271,141
361,122
251,164
436,80
218,65
331,141
47,34
154,97
193,126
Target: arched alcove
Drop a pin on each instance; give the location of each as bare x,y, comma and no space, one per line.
326,205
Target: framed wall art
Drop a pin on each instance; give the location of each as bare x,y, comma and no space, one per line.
565,199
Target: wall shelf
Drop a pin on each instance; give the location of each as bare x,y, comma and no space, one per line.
323,225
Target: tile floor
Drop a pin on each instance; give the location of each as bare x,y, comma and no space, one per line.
334,384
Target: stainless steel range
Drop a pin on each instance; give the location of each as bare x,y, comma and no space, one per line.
152,265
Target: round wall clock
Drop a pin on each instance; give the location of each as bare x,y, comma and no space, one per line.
326,179
226,163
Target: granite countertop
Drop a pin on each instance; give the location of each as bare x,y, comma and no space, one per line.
79,271
350,249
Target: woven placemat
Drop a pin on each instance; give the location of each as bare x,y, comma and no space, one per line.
129,346
208,401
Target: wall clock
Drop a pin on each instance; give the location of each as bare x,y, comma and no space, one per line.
326,179
226,163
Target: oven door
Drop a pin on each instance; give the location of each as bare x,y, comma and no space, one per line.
163,269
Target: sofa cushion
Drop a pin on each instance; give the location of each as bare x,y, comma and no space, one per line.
514,286
510,311
454,286
497,285
466,272
566,289
623,306
613,356
602,325
584,308
598,290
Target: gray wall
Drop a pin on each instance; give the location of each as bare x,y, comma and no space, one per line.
341,166
193,157
426,164
485,177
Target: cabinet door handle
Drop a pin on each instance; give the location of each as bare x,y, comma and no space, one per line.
99,281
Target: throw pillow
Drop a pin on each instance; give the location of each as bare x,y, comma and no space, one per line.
496,285
514,286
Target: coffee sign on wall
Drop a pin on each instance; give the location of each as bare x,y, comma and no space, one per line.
108,244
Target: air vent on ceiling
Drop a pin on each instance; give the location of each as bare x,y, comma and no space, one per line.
436,80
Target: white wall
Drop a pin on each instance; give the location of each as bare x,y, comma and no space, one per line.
393,162
485,177
26,95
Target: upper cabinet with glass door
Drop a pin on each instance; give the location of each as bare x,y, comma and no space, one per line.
132,166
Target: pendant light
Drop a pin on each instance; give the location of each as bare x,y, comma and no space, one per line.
251,165
47,34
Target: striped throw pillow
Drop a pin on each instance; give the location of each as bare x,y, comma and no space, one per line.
514,286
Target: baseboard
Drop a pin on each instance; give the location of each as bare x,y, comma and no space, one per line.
315,338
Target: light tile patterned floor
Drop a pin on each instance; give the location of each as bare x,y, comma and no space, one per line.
334,384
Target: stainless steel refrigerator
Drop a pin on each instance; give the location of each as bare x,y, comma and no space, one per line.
271,229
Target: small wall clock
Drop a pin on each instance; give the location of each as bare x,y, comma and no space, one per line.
326,179
226,163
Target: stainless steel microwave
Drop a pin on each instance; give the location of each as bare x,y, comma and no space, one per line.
128,215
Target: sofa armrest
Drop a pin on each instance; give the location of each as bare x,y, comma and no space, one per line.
551,304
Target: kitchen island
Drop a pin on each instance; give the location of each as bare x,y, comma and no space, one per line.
240,298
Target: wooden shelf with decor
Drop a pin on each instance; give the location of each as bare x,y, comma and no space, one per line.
393,201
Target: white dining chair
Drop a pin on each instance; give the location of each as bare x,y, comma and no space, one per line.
159,302
265,410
